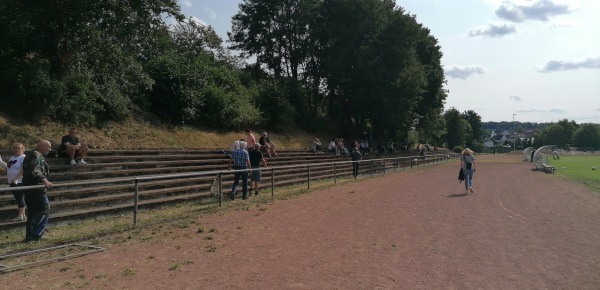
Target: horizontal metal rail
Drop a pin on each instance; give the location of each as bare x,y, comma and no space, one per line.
378,164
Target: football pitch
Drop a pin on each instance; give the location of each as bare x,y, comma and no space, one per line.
580,169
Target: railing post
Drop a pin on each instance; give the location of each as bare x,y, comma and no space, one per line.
308,177
220,190
334,173
135,201
272,182
372,166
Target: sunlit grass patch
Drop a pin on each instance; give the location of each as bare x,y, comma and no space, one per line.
579,168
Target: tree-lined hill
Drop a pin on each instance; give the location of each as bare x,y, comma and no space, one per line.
348,66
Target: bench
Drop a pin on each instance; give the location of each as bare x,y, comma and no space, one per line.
548,168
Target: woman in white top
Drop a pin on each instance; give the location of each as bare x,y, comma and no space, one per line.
15,178
467,163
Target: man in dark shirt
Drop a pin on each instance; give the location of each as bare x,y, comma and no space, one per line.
240,160
256,158
35,172
356,157
71,147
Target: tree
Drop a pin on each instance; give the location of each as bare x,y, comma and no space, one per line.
455,128
369,65
559,134
77,60
276,32
475,133
588,135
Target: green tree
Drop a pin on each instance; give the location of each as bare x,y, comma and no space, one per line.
588,135
456,127
77,60
369,65
559,134
276,32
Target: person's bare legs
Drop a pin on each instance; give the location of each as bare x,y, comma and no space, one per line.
83,151
21,211
272,146
71,152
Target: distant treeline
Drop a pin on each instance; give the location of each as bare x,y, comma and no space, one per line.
513,126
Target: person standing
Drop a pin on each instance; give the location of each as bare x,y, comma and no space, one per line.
35,172
72,148
240,160
356,157
467,164
250,140
15,178
256,158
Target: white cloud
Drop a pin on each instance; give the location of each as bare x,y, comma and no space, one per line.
212,15
464,72
560,65
516,98
541,10
493,30
186,3
198,20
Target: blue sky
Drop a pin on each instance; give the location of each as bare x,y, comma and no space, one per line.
538,59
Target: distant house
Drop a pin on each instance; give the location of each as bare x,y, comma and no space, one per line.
497,139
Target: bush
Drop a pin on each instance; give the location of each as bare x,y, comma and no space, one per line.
457,149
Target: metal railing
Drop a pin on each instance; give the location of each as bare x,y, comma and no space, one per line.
395,162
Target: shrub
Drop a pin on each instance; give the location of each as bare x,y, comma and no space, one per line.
457,149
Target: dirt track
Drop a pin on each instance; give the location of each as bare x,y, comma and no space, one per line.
407,230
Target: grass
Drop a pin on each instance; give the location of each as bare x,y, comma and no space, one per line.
579,168
131,134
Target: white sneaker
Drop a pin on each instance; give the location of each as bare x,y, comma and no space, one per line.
18,219
73,162
81,162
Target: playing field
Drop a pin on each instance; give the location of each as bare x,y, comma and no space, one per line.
579,168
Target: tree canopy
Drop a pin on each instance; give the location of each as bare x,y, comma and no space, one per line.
355,65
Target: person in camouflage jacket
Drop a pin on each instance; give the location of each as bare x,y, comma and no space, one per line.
35,172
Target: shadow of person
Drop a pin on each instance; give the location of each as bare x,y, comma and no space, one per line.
458,195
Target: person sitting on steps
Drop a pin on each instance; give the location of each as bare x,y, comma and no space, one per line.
71,147
266,145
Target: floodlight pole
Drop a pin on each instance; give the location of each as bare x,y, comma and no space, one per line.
514,134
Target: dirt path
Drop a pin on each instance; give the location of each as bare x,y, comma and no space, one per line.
408,230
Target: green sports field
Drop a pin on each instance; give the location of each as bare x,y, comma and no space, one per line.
579,168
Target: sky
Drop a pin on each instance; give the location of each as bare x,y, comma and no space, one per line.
523,60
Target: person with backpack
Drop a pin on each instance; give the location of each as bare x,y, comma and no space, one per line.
467,164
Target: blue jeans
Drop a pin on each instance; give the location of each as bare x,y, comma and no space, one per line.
468,177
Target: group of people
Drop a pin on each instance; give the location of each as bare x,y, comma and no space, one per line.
248,154
27,168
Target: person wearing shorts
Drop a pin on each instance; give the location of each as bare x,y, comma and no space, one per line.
70,147
256,158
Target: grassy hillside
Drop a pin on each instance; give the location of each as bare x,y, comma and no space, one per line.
137,135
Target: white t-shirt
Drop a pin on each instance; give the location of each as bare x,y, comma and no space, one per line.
15,164
331,145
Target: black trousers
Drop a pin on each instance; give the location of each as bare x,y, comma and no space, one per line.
37,213
355,166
